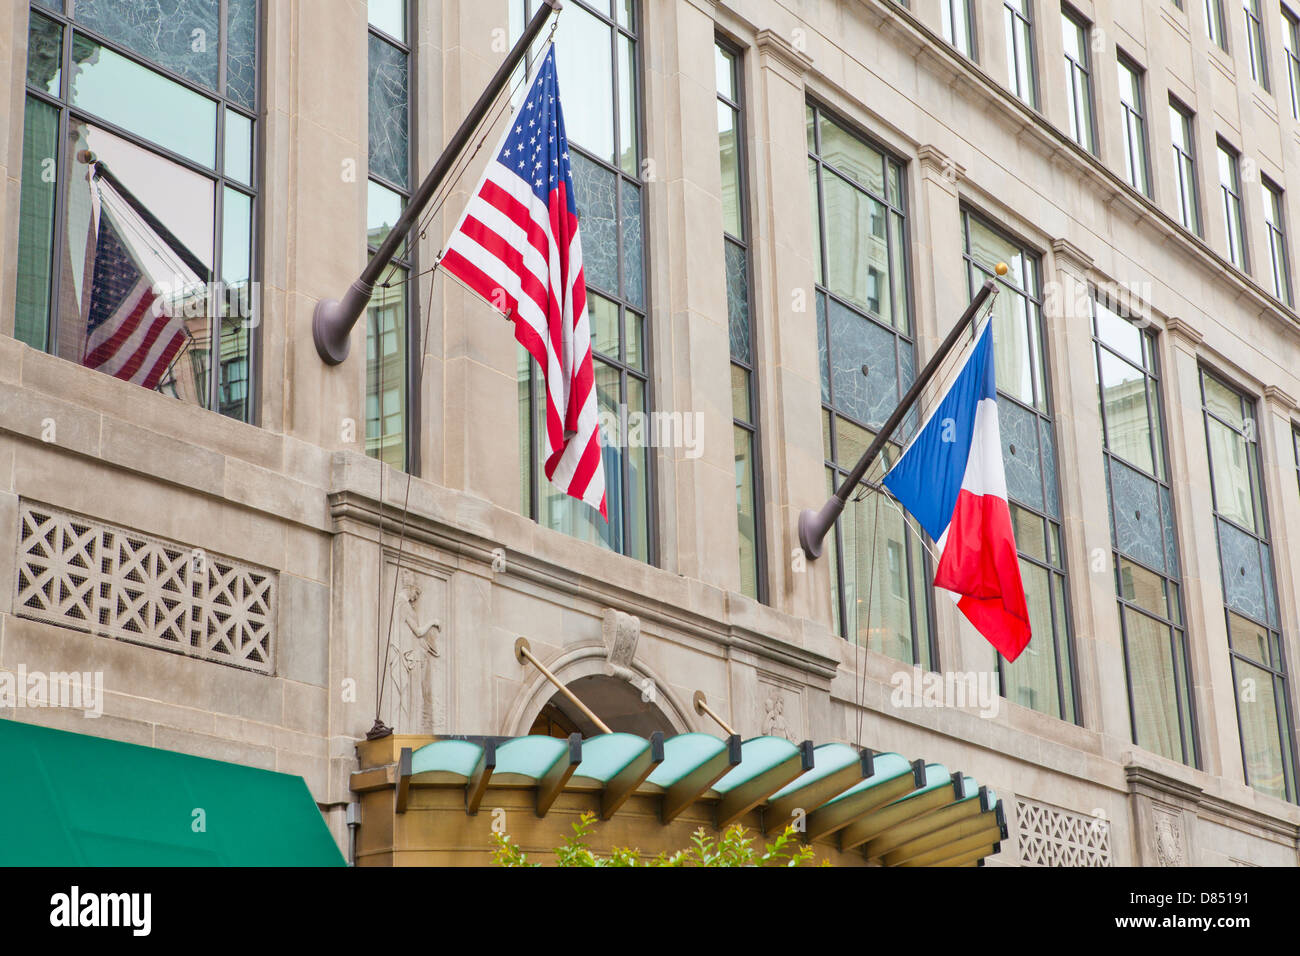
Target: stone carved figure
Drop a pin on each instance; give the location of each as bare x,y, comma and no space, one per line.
774,723
408,704
1168,840
621,632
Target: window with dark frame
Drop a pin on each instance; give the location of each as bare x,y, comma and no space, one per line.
1137,169
598,68
1215,26
959,26
1255,642
1189,204
867,356
1021,72
1078,76
137,251
390,331
1255,42
1042,678
1275,222
1291,47
1144,540
1234,222
740,320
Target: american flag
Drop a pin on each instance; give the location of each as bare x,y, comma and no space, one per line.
130,331
517,246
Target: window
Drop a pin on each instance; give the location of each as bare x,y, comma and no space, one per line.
1214,24
1291,44
388,327
1143,536
1246,570
596,57
867,356
1189,208
1275,219
740,324
1295,441
1020,49
1255,42
136,251
1230,191
1078,76
1042,677
959,25
1133,111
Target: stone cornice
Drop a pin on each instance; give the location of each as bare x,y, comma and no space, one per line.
1068,254
933,159
1148,781
1282,400
776,47
1181,331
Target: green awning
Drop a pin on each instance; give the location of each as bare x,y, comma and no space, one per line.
72,800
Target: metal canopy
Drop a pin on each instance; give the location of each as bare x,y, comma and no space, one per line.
893,811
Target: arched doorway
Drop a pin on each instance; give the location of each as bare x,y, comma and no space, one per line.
615,701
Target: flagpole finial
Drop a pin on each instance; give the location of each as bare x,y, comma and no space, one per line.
1001,268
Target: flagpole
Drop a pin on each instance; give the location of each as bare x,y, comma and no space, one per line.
332,321
814,525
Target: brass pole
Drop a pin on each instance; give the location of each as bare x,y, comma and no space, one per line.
524,654
702,707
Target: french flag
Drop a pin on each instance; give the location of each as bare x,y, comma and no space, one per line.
951,478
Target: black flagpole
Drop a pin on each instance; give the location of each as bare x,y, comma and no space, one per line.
333,320
814,525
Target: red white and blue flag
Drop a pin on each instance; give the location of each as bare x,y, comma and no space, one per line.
517,246
951,478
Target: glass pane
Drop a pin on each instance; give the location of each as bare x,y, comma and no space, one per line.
239,148
823,349
388,112
850,442
593,189
1139,586
1262,743
1051,485
1031,679
1170,532
389,16
728,124
386,371
1243,573
383,209
583,61
815,205
1223,402
898,273
1135,508
144,102
633,260
135,281
878,584
857,247
36,223
738,301
852,157
181,37
1153,686
739,393
1248,638
1119,334
826,435
1232,468
236,238
638,480
233,397
627,102
625,10
603,315
864,373
1028,528
523,376
745,512
988,248
45,54
241,52
556,509
724,71
1019,428
635,338
1014,366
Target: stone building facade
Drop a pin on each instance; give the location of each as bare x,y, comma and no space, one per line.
233,569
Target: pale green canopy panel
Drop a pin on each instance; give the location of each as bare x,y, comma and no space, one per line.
893,811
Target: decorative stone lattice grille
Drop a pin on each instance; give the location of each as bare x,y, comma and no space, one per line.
1051,836
118,583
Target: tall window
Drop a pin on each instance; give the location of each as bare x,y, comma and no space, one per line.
596,56
388,328
1230,201
1291,44
1189,207
740,325
136,251
959,25
1255,42
867,357
1275,220
1246,566
1144,538
1078,76
1214,23
1017,19
1042,677
1133,107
